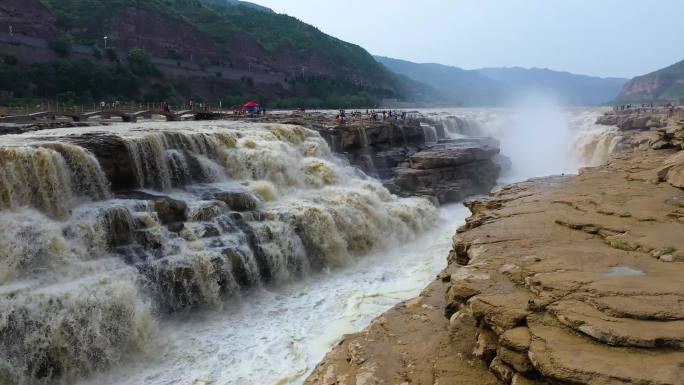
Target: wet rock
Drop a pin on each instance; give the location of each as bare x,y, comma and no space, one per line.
207,211
169,210
210,230
501,370
235,260
449,172
176,227
114,158
238,200
120,225
455,153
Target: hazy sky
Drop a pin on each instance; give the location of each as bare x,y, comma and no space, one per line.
595,37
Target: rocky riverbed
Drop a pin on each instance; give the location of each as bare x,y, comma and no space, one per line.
574,279
446,159
158,219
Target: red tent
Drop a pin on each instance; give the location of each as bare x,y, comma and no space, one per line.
251,104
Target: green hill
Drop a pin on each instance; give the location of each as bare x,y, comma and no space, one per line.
663,86
272,57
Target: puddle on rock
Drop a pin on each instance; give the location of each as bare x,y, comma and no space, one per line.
623,271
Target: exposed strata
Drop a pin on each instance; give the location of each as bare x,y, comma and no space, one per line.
555,280
450,171
414,156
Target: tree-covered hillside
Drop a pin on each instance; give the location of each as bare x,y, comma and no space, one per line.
663,86
203,49
224,22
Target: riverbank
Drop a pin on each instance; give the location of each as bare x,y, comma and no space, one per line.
572,279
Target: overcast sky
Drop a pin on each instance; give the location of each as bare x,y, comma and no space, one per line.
594,37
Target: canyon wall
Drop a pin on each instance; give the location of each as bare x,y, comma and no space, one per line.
572,279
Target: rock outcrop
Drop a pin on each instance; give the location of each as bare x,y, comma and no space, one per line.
27,18
414,156
626,120
580,265
575,280
449,171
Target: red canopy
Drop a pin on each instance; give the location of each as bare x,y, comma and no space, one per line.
251,104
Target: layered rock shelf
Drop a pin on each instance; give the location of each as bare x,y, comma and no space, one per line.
559,280
413,156
450,171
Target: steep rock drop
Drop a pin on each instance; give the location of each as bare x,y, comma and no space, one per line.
107,231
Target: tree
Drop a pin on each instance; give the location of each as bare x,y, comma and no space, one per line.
62,46
112,55
140,62
138,56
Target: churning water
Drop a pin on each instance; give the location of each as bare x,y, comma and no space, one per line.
539,138
284,247
85,278
277,336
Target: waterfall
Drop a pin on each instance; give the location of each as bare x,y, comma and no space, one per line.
429,133
457,127
49,177
594,147
366,154
85,273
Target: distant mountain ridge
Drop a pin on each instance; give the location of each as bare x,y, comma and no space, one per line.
500,86
455,85
662,86
567,88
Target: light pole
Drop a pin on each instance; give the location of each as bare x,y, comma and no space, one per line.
105,41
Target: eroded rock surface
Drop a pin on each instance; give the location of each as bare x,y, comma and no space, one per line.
410,344
449,171
569,273
627,120
562,280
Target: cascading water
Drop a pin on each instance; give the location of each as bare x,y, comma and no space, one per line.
594,147
366,154
88,277
429,133
539,137
85,274
458,127
49,178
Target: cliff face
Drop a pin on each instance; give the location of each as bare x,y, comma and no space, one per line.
555,280
27,17
665,85
247,51
160,36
